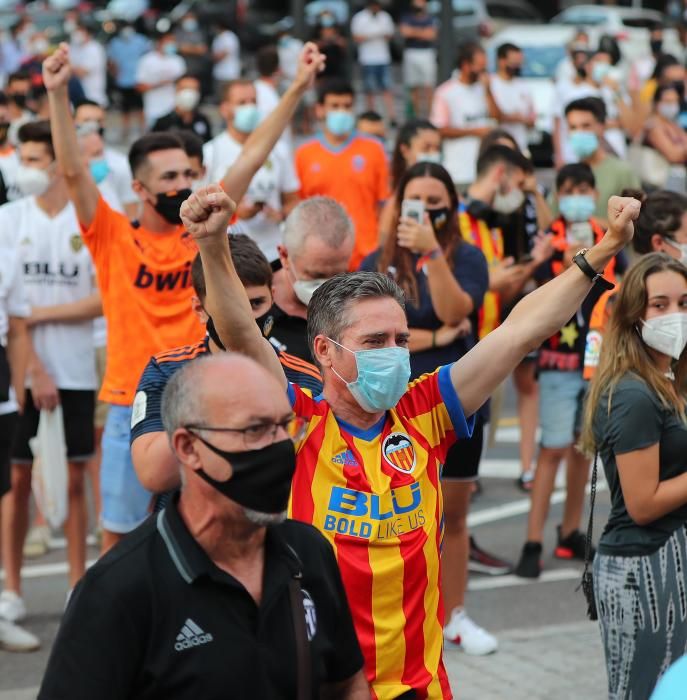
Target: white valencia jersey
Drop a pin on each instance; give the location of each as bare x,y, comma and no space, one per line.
57,269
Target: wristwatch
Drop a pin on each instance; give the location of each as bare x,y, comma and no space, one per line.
596,277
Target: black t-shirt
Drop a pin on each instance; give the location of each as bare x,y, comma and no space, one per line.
155,618
637,420
199,125
287,333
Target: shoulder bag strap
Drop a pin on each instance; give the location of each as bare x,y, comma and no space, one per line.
587,582
304,687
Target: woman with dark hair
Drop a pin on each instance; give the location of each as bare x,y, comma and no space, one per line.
444,279
417,140
635,422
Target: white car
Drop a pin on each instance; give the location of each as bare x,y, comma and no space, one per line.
543,48
628,25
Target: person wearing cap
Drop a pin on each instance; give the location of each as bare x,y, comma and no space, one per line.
217,591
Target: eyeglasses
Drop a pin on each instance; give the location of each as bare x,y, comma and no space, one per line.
255,436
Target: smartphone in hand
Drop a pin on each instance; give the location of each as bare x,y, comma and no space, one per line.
413,209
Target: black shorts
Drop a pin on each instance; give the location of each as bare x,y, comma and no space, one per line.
132,100
78,407
462,460
8,425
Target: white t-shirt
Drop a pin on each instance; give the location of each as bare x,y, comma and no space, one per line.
9,163
13,301
460,106
564,94
120,177
229,68
91,56
276,176
154,68
513,97
267,100
376,30
57,270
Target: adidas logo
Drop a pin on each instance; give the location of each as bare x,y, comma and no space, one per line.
191,636
347,458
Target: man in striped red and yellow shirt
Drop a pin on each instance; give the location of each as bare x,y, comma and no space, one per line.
367,470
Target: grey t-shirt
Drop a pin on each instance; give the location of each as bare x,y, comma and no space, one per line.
637,420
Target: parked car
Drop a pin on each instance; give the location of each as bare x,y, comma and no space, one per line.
474,19
543,48
628,25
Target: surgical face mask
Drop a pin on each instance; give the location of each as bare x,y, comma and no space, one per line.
167,204
340,122
246,118
39,46
261,479
669,110
189,24
508,203
576,208
69,26
327,21
170,49
667,334
682,247
79,38
187,99
382,379
32,182
127,32
600,72
430,157
99,170
304,289
583,143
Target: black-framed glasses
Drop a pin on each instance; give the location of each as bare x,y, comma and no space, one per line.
260,434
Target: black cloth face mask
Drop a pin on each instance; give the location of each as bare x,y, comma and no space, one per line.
261,479
438,217
167,204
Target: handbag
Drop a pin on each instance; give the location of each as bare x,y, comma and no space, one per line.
652,168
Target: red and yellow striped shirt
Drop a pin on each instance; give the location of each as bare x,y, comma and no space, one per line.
376,495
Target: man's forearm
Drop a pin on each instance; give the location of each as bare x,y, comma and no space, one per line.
18,348
82,310
64,134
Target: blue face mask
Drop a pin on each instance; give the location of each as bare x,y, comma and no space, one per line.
99,170
583,143
340,122
383,377
600,71
170,49
576,208
246,118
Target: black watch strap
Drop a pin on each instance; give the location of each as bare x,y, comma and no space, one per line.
581,261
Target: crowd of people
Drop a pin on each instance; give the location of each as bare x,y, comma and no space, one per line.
338,357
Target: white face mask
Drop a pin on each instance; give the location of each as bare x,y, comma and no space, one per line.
508,203
667,334
187,99
669,110
304,289
32,182
430,157
682,247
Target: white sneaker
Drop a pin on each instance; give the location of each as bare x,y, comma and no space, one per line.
12,607
471,638
37,542
15,638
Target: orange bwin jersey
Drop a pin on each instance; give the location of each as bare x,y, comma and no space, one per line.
376,495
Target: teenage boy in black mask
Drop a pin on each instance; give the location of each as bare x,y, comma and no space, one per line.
143,267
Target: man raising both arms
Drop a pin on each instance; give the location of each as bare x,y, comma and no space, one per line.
367,472
144,271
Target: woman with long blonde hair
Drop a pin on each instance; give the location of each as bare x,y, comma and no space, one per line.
635,421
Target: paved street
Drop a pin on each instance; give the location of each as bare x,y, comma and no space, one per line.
548,649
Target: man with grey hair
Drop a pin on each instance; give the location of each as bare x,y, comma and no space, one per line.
317,244
217,591
367,470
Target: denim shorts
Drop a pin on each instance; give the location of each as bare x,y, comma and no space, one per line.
376,78
561,398
126,504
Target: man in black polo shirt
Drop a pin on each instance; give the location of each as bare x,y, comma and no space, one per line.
318,242
216,596
186,115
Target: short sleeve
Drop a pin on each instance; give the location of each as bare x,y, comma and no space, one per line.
471,270
440,115
635,419
301,401
146,416
142,70
432,405
98,237
17,301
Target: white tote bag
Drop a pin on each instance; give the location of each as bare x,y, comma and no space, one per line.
49,476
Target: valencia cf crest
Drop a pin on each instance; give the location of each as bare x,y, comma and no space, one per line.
399,452
76,242
267,325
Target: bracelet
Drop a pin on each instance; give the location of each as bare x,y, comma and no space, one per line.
434,339
596,277
424,259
